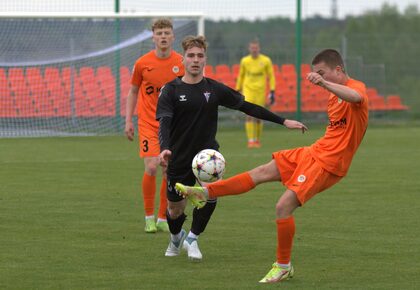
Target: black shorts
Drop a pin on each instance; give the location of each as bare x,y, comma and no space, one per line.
187,179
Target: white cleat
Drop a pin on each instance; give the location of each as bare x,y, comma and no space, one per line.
191,246
174,248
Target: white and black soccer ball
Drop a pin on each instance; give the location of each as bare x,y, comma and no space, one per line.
208,165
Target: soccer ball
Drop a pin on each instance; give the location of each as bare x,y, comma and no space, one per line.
208,165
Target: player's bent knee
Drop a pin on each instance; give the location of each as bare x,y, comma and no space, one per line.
175,213
282,212
265,173
287,204
151,171
175,210
151,167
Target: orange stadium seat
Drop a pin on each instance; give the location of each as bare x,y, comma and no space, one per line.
17,82
209,71
91,102
7,103
4,86
20,91
235,69
305,69
288,68
290,102
125,84
311,105
279,105
43,105
68,77
377,103
394,103
56,92
371,92
229,80
222,69
106,83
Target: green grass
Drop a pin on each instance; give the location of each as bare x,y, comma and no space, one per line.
71,218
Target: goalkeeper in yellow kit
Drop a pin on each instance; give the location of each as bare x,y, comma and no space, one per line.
254,72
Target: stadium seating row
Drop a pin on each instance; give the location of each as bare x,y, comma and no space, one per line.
90,92
313,98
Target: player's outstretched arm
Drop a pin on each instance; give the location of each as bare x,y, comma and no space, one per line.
343,92
264,114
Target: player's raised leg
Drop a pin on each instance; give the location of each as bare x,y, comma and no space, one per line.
237,184
197,195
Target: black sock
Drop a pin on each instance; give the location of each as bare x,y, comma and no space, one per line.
175,225
202,216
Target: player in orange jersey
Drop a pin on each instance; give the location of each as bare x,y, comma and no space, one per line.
150,73
305,171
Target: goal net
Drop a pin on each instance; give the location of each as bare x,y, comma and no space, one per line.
69,74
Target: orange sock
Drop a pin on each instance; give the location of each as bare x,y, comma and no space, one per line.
235,185
149,191
163,202
285,234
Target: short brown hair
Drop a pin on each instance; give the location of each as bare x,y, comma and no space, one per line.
162,23
331,57
255,41
194,41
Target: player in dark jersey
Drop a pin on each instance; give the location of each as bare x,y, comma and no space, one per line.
187,112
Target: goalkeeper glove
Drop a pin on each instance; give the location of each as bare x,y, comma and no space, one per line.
271,97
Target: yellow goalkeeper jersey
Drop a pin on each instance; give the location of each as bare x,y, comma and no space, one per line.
253,73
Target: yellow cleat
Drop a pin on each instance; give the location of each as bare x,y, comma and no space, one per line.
278,274
150,226
195,194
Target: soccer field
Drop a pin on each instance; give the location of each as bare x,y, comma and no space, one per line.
71,217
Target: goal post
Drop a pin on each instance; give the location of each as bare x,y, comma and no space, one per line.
65,74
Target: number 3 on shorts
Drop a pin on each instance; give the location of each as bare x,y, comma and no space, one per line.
145,145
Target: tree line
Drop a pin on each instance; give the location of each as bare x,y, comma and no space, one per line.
380,46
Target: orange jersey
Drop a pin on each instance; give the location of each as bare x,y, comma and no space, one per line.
347,126
150,73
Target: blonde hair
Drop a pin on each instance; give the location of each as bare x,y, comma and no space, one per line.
194,41
162,23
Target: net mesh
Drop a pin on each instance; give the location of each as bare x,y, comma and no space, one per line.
71,76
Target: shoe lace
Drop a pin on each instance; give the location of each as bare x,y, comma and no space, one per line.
275,271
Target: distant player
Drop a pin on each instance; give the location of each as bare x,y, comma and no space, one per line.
150,73
254,72
187,112
305,171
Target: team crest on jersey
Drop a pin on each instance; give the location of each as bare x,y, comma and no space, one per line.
207,95
175,69
301,178
182,98
339,100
